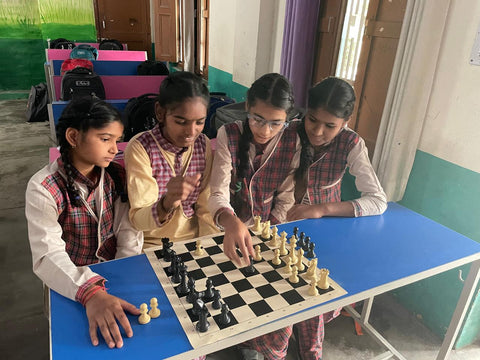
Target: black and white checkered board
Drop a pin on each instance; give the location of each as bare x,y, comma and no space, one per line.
253,299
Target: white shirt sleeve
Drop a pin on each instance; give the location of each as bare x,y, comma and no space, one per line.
129,240
51,262
221,175
373,200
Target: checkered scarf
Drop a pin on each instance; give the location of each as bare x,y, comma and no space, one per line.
79,228
162,171
325,174
264,182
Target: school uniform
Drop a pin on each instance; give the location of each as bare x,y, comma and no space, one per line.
64,238
324,175
267,191
151,161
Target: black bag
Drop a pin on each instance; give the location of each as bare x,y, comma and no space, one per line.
152,67
82,82
139,115
228,114
61,43
110,44
217,100
37,103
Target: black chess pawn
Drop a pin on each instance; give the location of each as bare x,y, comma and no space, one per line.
209,291
203,325
301,240
173,265
250,269
216,304
306,244
295,231
176,278
192,293
311,252
225,315
169,253
183,287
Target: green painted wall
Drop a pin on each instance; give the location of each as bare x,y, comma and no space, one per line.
24,27
221,81
450,195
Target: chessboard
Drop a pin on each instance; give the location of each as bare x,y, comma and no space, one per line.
232,299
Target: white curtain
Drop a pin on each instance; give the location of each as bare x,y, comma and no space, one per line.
188,29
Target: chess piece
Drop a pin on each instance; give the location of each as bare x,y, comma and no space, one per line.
306,244
203,325
300,265
283,240
266,232
301,239
258,255
209,291
312,290
312,268
183,288
192,294
225,315
294,277
165,241
288,267
144,318
199,249
176,278
323,282
197,306
295,231
293,244
154,310
276,259
311,252
216,304
274,241
250,269
257,226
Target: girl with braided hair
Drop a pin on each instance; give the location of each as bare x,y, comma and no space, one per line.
329,147
77,215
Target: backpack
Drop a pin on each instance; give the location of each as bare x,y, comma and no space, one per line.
70,64
110,44
152,67
82,82
84,51
217,100
54,43
65,45
37,103
139,115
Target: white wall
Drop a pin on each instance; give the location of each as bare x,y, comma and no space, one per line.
245,37
452,125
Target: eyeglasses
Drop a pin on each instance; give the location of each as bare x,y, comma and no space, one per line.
273,125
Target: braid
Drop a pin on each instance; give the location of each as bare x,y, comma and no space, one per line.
72,190
118,181
306,155
243,150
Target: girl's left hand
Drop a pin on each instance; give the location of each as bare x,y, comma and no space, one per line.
301,211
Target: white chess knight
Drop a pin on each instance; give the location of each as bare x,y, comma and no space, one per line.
266,232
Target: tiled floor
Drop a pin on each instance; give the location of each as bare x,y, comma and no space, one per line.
24,329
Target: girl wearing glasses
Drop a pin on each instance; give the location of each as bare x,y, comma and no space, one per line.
328,148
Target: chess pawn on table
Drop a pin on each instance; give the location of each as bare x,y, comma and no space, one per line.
299,264
323,282
199,249
288,267
276,258
144,318
154,310
294,277
283,242
257,225
274,241
258,255
312,290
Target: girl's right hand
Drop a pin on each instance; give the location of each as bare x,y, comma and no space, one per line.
236,236
103,312
178,189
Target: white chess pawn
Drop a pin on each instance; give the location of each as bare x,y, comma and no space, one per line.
300,265
258,255
276,259
312,290
294,277
323,282
154,310
144,318
199,249
274,241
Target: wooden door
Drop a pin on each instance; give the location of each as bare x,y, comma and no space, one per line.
125,20
379,48
166,30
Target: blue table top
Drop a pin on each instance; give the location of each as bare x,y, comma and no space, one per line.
362,254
